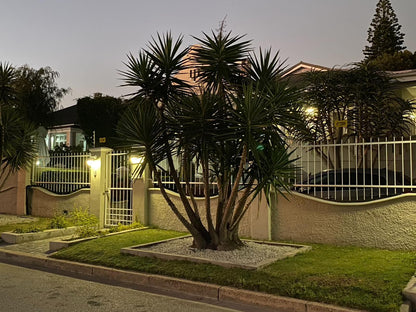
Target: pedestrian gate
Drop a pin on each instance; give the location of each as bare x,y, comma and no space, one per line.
118,199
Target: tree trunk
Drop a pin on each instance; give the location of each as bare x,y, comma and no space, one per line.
229,239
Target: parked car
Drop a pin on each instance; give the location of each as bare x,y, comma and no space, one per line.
355,184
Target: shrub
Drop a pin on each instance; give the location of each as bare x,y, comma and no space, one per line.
121,227
59,222
86,222
28,229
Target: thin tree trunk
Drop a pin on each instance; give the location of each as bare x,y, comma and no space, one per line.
200,240
211,229
193,217
186,163
228,211
240,211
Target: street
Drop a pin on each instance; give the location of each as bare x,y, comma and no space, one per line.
24,290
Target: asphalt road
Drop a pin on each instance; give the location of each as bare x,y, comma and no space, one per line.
23,289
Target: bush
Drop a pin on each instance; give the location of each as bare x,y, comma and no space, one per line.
28,229
86,222
121,227
60,222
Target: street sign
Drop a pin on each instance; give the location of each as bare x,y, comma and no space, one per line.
341,123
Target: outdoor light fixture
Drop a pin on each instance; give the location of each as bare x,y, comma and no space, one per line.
94,164
37,162
136,160
310,111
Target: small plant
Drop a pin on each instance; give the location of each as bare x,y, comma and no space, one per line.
59,222
28,229
86,222
122,227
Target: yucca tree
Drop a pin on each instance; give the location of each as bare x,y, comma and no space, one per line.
232,127
7,95
19,147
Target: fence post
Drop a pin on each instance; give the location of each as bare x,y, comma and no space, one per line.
98,183
13,192
141,197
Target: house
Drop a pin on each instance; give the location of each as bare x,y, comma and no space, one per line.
406,79
303,67
407,82
65,129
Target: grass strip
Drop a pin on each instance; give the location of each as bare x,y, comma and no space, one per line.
34,226
362,278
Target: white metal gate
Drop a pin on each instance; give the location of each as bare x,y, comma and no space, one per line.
118,203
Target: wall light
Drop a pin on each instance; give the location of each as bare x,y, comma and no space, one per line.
310,111
94,164
136,160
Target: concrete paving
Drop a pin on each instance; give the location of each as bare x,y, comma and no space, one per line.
39,247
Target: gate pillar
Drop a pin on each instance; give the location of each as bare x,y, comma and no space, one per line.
141,197
98,176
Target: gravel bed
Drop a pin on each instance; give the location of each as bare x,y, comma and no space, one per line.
252,253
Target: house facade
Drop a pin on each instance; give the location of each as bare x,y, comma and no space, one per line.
65,130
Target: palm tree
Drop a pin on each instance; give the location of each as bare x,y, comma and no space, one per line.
232,127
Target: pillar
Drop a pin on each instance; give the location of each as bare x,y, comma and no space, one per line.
140,196
98,182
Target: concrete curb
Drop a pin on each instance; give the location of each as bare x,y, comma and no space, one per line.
406,307
135,279
410,293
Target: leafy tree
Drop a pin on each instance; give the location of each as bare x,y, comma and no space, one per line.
362,96
26,97
230,127
384,34
38,94
394,62
100,114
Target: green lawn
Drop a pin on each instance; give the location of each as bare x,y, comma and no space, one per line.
364,278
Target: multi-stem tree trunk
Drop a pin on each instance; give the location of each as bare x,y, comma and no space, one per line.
229,211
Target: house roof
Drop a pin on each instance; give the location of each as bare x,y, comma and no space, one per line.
65,117
303,67
404,76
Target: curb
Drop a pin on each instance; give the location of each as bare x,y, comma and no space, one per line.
17,238
135,279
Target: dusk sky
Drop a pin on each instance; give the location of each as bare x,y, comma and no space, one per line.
86,41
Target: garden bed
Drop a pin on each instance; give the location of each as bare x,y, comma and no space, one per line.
17,238
60,244
252,256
